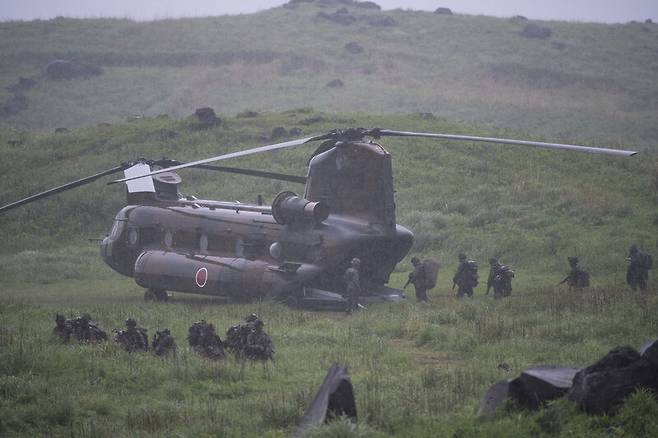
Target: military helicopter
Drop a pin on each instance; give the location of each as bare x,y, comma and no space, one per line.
295,250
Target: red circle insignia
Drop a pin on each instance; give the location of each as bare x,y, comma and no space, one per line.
201,277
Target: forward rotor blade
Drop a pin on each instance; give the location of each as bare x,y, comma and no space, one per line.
63,188
271,147
571,147
250,172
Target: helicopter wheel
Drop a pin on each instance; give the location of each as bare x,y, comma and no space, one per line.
160,295
149,295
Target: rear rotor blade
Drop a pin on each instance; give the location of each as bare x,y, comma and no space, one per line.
271,147
571,147
62,188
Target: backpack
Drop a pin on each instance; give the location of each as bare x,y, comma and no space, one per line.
431,272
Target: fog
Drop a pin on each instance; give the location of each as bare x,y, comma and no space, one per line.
609,11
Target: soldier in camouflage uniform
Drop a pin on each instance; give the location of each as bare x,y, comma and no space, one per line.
236,336
419,279
163,343
259,344
86,330
133,338
63,329
352,285
202,338
466,277
577,278
500,278
639,264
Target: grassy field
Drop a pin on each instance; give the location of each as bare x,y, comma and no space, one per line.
418,370
587,82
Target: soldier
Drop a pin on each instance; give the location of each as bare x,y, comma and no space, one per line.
133,338
163,343
639,264
236,336
259,344
500,278
419,279
86,330
577,278
203,339
466,277
352,285
63,329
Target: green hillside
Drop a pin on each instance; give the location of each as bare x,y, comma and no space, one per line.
586,82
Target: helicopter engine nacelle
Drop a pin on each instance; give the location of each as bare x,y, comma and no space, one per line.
289,208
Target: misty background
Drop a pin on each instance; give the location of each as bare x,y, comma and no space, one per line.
608,11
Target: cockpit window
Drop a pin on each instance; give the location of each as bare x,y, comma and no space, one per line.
117,229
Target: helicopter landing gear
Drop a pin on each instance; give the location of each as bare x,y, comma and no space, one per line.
155,295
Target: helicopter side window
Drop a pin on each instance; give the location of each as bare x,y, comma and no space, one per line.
148,235
221,243
186,239
132,236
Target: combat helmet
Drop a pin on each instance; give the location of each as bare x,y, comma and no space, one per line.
131,323
355,262
415,261
461,257
251,318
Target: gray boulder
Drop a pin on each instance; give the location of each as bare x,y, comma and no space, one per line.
602,387
443,11
538,385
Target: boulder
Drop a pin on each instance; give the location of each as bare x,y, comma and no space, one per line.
334,399
247,115
427,116
538,385
535,31
648,21
296,132
494,398
354,48
207,118
368,5
603,386
278,132
336,83
70,69
61,130
443,11
312,120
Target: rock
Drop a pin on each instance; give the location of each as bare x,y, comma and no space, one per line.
494,398
296,132
341,16
603,386
519,18
23,84
427,116
535,31
14,142
443,11
15,104
381,21
368,5
538,385
648,21
650,352
65,69
61,130
354,48
278,132
207,118
336,83
334,399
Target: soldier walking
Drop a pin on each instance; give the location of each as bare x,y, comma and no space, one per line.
419,279
639,264
163,343
500,278
259,344
466,277
577,278
352,285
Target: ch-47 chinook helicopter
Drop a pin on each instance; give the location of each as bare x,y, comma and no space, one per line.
295,250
